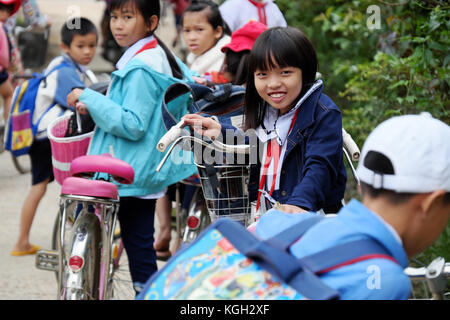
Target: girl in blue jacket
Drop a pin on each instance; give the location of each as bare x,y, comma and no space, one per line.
128,121
299,128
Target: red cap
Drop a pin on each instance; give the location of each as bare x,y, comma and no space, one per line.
17,4
244,37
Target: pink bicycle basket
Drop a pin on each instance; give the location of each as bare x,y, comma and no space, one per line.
65,149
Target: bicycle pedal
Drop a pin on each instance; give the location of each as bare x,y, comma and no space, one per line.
47,260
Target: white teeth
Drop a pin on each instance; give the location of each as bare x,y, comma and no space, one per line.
277,95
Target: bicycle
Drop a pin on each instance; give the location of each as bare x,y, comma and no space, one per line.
430,282
224,186
86,259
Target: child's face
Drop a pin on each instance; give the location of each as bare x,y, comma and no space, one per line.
4,15
198,33
128,25
279,87
82,48
431,227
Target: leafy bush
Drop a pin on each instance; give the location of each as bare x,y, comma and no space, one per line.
401,66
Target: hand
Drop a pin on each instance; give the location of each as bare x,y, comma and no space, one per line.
73,96
200,80
81,108
288,208
203,126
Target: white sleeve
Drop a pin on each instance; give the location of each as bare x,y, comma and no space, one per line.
228,12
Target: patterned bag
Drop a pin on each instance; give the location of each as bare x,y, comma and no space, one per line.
228,262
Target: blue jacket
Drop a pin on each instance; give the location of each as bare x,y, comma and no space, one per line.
378,279
129,120
313,174
55,89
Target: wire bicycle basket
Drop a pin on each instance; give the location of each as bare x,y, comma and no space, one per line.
225,188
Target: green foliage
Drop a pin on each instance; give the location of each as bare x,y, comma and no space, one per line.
400,66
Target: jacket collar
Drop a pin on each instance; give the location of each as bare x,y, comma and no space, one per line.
131,52
308,104
68,59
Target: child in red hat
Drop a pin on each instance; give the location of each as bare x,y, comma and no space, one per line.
238,50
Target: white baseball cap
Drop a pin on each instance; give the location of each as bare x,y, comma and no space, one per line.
418,146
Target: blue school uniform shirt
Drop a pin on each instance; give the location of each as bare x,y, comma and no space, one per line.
129,120
374,279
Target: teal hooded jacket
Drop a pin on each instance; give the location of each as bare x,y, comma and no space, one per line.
128,122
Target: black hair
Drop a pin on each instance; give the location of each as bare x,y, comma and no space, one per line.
277,47
213,14
149,8
7,7
77,26
382,165
236,63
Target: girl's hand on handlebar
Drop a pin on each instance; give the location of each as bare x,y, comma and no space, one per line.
203,126
288,208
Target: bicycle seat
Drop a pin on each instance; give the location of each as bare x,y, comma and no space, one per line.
90,188
87,166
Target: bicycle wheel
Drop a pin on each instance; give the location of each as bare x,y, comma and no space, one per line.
55,234
2,143
22,163
121,285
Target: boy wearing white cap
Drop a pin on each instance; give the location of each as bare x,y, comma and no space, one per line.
405,184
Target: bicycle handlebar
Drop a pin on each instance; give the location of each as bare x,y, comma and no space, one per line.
350,145
422,272
176,135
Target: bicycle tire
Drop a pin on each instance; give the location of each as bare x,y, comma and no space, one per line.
20,165
54,245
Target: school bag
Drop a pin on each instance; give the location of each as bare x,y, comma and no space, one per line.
225,102
227,261
20,130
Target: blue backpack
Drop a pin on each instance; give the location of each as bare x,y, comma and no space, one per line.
227,261
20,131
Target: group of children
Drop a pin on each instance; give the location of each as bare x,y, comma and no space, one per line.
298,128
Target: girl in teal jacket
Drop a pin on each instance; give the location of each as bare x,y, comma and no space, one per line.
129,123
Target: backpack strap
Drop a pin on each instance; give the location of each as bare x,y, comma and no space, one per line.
345,254
334,257
44,77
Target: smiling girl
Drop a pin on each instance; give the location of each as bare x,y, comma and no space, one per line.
129,120
299,127
205,33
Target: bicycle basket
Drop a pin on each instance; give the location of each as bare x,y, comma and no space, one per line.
225,188
65,149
